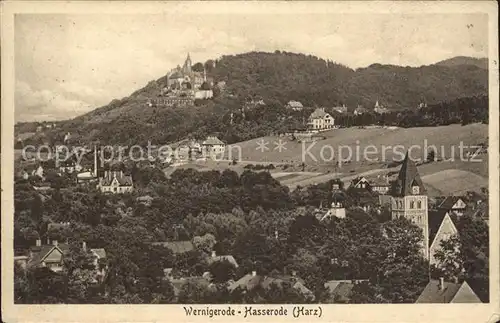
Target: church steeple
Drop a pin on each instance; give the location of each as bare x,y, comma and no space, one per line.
408,178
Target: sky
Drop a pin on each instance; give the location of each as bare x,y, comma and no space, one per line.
69,64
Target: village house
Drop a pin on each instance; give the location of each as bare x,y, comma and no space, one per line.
440,291
32,170
320,120
441,228
342,109
340,291
379,109
212,147
360,183
294,105
253,280
380,184
52,256
115,182
360,110
454,205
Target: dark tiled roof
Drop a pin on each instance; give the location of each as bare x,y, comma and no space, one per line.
378,181
432,293
318,113
123,180
339,290
247,282
407,178
449,201
435,220
176,247
39,253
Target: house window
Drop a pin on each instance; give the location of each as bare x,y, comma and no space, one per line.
419,204
412,205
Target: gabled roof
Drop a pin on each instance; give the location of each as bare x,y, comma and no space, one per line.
40,253
123,180
450,201
212,141
433,294
378,181
247,282
435,220
435,233
340,290
407,178
176,247
319,113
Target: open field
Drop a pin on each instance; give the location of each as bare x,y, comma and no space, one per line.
441,177
455,182
385,143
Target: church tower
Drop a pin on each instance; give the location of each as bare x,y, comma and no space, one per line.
410,200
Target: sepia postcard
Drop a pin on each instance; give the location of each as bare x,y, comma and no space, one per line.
263,161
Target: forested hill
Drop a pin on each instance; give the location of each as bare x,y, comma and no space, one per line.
312,80
463,60
277,78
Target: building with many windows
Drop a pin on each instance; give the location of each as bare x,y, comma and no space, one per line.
320,120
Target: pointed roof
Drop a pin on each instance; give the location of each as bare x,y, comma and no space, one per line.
407,178
433,294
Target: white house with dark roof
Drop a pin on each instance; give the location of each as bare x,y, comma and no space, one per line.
320,120
453,204
115,182
212,147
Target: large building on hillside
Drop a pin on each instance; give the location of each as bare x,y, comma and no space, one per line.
183,86
212,147
186,78
115,182
409,200
320,120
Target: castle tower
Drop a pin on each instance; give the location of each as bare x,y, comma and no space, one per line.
410,200
187,65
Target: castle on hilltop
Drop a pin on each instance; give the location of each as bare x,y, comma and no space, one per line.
183,86
185,78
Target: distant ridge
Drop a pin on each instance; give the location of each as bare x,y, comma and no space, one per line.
463,60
